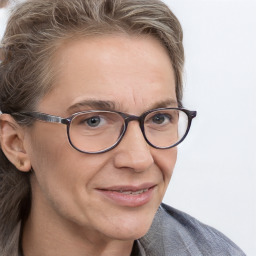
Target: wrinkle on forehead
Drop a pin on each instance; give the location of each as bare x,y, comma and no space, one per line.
135,73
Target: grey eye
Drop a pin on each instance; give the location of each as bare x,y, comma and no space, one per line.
160,118
93,121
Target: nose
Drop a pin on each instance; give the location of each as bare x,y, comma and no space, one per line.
133,152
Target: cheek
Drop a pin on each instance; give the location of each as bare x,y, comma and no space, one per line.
165,160
51,157
47,147
58,167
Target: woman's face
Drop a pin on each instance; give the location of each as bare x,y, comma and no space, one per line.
89,191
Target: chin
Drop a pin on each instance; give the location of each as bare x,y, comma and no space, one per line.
131,228
130,235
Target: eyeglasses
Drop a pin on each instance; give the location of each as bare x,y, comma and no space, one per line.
98,131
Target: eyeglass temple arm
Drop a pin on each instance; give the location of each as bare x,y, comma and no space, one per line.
44,117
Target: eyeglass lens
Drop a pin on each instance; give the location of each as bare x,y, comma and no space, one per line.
165,128
97,131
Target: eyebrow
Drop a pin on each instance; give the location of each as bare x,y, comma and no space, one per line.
93,104
111,105
165,104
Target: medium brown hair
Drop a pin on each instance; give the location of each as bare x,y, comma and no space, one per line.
34,32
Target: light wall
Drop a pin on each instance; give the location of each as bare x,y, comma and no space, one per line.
215,176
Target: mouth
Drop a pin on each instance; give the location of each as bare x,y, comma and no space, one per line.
129,192
131,196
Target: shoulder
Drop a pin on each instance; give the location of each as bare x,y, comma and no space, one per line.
176,233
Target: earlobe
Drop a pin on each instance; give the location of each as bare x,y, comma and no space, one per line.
12,143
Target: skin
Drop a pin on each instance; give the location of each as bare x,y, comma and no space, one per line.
3,3
68,215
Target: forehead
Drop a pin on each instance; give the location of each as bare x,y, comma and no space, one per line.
130,71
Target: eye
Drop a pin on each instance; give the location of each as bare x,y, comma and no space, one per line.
94,121
161,118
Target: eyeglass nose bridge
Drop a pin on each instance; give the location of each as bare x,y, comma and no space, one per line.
129,118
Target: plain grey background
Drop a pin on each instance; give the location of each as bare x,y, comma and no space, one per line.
214,179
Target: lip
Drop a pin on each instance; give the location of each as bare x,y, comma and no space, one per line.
131,196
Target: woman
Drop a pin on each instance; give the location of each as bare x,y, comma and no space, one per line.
91,99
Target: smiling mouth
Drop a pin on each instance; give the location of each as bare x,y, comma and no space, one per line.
129,192
129,196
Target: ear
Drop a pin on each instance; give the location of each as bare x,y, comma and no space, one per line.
12,143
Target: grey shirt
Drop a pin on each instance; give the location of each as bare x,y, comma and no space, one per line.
174,233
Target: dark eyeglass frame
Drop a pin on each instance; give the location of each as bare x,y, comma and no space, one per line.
127,118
